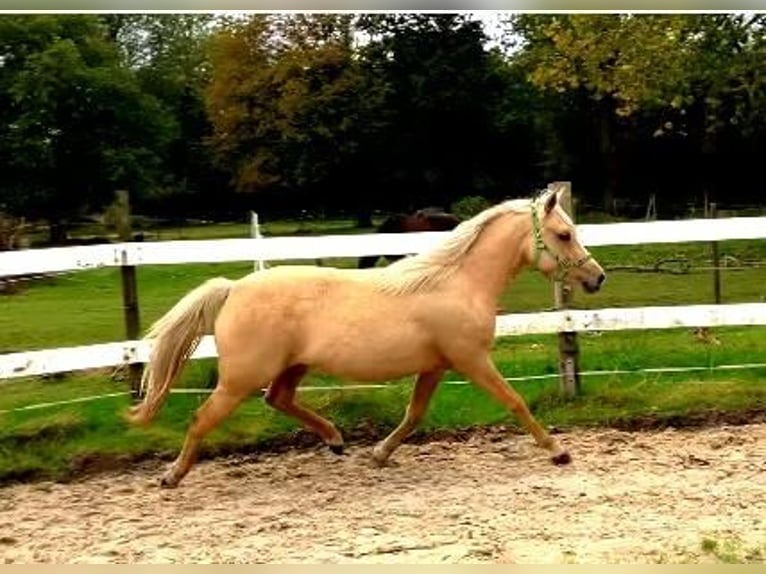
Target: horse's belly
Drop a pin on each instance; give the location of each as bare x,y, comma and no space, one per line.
372,354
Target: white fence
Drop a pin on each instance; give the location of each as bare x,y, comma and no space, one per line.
59,259
30,363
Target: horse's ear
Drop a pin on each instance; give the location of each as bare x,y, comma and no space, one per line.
550,203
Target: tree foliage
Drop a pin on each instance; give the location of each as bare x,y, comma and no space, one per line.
380,111
636,60
689,82
290,103
440,93
75,125
402,107
169,54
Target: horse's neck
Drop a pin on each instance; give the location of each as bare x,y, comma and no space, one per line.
496,258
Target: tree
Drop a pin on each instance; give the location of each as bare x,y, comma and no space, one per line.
169,55
515,153
292,107
443,85
670,85
624,63
75,124
723,113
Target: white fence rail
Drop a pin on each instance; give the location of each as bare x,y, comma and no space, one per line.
59,259
29,363
32,363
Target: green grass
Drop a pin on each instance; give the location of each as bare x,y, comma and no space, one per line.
39,236
734,551
86,307
268,228
52,442
49,442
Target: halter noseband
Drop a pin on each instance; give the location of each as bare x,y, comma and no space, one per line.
564,265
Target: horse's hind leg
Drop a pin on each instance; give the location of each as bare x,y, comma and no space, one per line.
220,404
421,396
281,396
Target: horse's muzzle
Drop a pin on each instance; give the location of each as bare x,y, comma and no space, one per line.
595,285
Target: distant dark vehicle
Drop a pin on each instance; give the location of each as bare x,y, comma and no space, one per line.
426,219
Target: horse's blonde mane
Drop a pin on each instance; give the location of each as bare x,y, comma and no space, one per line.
424,271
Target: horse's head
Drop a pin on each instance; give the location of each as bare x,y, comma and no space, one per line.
555,249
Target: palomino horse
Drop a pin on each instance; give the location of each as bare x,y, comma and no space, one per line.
431,312
426,219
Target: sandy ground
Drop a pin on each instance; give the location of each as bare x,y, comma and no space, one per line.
626,498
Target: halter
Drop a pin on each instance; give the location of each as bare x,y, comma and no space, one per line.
563,265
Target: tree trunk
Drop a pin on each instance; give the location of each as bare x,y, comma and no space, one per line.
707,169
608,154
58,232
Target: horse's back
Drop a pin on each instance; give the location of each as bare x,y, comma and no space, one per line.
296,296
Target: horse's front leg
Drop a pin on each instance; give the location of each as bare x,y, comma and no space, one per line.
485,375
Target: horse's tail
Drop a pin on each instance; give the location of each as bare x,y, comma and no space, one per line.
176,336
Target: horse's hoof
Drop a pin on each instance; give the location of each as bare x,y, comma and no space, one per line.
561,458
379,459
382,460
336,449
168,482
379,462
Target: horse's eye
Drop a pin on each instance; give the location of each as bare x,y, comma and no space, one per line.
565,236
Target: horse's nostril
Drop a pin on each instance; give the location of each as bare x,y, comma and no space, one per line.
601,278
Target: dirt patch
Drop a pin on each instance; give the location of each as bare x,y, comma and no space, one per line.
486,496
89,464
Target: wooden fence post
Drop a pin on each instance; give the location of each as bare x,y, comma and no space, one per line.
120,213
569,351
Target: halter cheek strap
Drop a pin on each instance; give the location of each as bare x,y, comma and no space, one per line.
564,265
